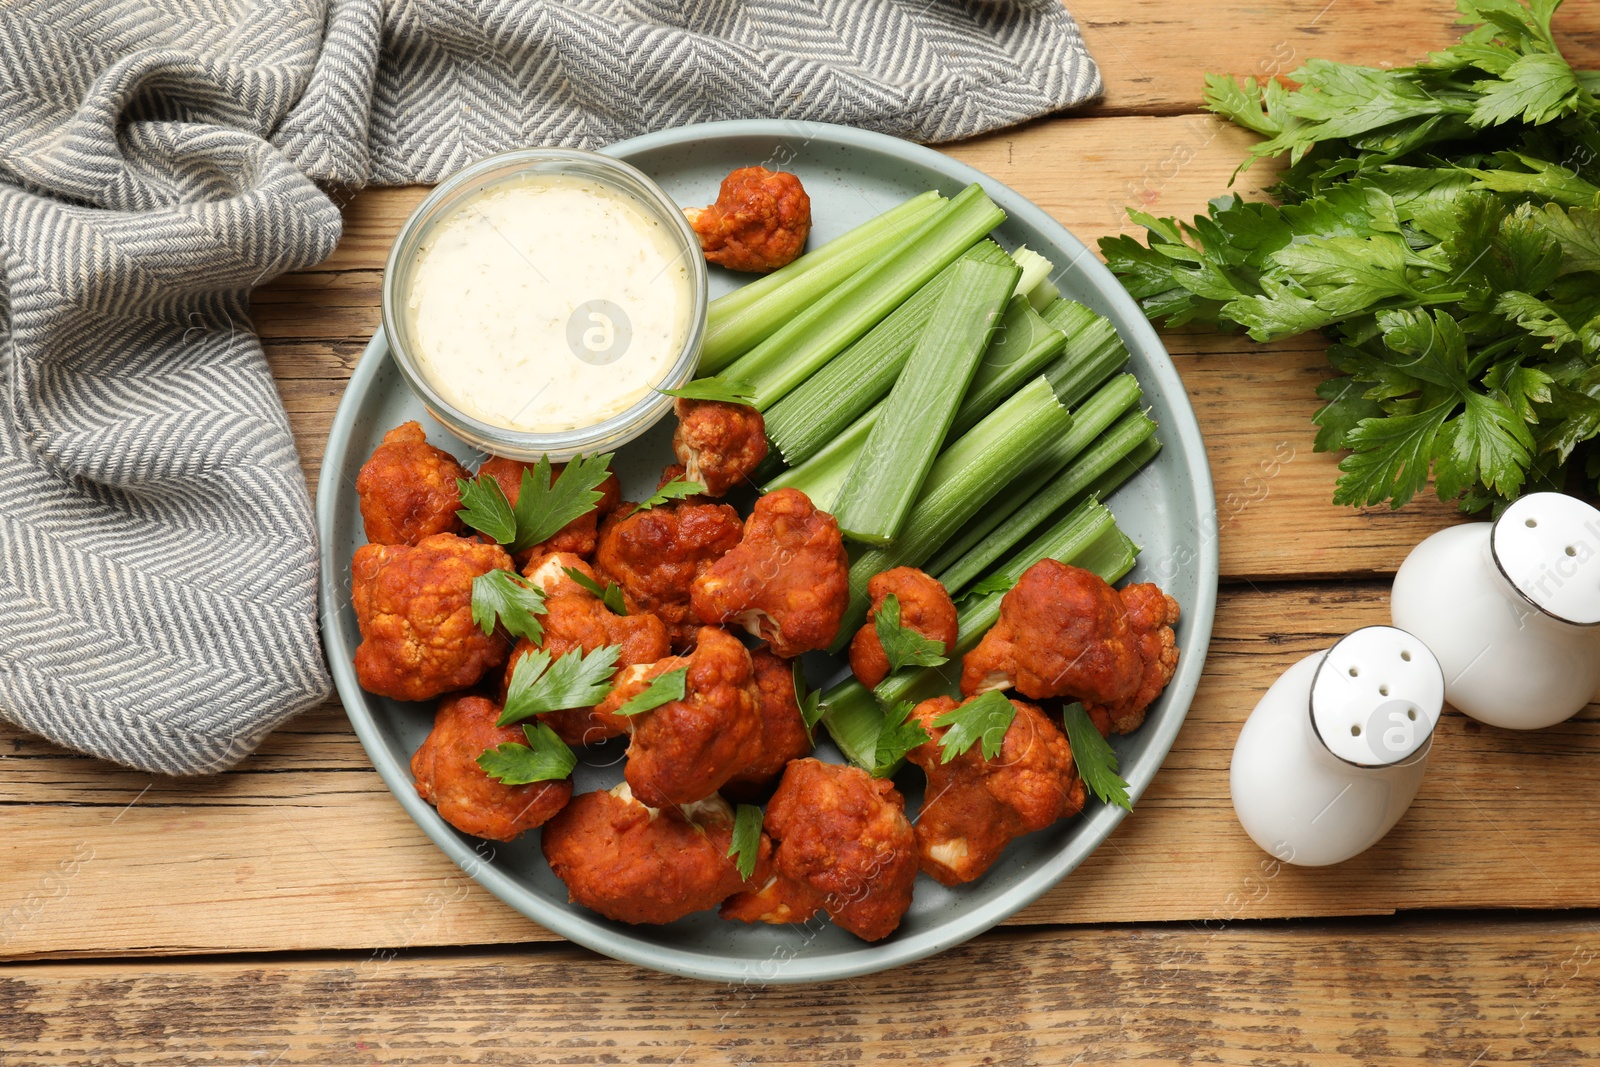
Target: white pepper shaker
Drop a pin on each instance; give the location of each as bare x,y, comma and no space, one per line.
1511,609
1334,753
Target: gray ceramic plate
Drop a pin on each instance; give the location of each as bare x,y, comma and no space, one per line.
1168,509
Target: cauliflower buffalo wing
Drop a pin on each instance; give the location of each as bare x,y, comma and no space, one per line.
578,536
719,444
408,489
448,776
924,607
783,731
1063,632
655,555
759,223
637,864
787,582
414,606
576,618
841,844
974,806
684,750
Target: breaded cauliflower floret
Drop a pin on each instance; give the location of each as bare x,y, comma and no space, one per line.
1063,632
759,223
787,582
655,555
578,536
841,844
448,776
576,618
719,444
414,606
408,489
783,732
974,806
638,864
684,750
924,607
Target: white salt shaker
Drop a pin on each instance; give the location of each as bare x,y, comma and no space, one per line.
1333,754
1511,609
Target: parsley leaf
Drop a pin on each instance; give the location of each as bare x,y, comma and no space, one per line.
901,644
543,507
995,583
726,390
984,718
574,680
1096,762
484,508
1440,223
545,758
610,594
509,599
676,489
810,703
663,688
899,734
745,848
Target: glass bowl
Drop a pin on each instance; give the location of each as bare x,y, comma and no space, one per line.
443,202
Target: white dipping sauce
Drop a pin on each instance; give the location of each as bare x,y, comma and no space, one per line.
503,308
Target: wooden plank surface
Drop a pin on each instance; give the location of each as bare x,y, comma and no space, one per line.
302,847
1153,54
1455,992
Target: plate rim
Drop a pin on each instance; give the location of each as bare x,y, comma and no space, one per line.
588,931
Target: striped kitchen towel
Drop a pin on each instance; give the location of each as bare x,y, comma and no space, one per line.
158,158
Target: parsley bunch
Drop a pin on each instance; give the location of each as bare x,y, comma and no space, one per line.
1441,223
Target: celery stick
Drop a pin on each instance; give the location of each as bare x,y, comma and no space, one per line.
1023,344
1092,354
1035,273
1091,419
1102,467
1027,344
962,480
823,406
1088,538
905,440
739,321
800,347
822,476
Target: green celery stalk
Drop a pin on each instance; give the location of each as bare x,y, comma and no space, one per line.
853,714
1090,420
1027,343
1112,460
801,346
961,481
1023,345
822,476
739,321
824,405
904,443
1092,354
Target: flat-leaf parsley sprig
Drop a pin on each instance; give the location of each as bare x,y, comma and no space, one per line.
544,503
1441,223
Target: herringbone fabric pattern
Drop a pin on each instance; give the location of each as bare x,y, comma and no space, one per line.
158,159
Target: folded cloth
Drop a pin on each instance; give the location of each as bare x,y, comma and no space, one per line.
158,158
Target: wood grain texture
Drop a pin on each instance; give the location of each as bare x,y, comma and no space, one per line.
1254,401
1367,994
1154,54
302,847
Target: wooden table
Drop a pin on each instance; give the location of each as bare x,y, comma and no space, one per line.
288,912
